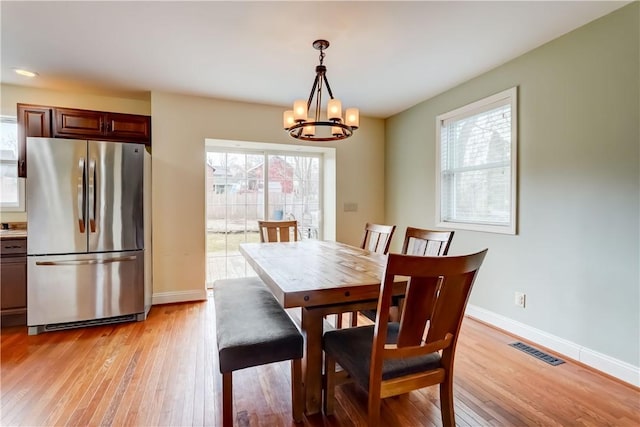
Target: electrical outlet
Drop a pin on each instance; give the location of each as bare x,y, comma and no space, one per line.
520,299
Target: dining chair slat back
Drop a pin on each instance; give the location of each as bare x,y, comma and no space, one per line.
420,241
389,359
278,231
377,237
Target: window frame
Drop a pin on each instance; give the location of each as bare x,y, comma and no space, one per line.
506,97
21,205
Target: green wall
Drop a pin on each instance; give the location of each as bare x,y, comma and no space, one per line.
576,254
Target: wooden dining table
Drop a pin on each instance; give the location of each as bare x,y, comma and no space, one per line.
321,277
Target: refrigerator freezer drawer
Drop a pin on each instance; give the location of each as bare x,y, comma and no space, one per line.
74,288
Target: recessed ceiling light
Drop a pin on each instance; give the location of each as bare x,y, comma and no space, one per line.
25,73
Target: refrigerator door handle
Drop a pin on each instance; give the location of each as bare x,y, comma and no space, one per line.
81,194
87,261
92,195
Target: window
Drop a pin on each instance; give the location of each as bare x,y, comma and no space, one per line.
249,181
476,165
12,187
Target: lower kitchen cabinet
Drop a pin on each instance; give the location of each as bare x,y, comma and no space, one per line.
13,282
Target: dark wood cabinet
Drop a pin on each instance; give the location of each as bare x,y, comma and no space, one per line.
57,122
13,282
72,123
33,120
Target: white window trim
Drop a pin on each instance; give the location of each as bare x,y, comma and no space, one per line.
13,207
20,206
511,95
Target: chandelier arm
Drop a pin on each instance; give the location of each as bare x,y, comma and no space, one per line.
326,82
313,90
319,97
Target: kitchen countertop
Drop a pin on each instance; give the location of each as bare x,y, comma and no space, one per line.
13,230
13,234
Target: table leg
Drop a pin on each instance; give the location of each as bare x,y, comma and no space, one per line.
312,322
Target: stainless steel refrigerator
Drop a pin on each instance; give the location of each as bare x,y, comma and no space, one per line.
86,241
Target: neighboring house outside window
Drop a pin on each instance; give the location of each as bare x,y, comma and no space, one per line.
476,165
12,193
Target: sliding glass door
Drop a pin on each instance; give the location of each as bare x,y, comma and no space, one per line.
245,186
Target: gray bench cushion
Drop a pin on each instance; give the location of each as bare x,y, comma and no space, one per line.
252,328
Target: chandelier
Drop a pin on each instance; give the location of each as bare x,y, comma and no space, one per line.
302,125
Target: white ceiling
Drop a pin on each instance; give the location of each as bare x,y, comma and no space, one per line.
384,56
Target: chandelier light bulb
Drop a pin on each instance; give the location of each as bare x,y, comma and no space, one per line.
353,118
309,130
287,119
334,109
300,110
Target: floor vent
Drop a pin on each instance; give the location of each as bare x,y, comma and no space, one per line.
545,357
93,322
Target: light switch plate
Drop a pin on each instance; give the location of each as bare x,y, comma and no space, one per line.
351,207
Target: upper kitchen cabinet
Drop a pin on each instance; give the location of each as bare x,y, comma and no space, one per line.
45,121
70,123
33,120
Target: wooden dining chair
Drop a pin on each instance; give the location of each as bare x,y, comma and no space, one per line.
376,238
389,359
422,242
278,231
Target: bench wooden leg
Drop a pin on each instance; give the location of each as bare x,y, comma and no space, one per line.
297,396
227,400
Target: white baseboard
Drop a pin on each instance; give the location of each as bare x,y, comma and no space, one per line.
616,368
179,296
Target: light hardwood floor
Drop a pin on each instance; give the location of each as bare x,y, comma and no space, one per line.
164,371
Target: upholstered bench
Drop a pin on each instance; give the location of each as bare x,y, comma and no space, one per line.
253,329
